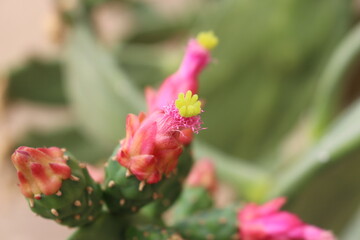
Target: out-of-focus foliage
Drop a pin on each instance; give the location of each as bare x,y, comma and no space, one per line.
269,56
70,138
101,95
28,82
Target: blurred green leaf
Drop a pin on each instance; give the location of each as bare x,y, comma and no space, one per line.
323,183
352,232
342,138
269,56
152,27
38,81
101,94
327,97
70,138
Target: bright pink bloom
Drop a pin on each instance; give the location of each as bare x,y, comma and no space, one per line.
203,175
153,143
185,78
267,222
40,170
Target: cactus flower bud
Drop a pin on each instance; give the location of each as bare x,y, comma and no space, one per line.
153,144
267,222
203,175
196,58
40,170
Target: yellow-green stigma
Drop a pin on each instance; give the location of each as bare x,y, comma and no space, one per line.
188,105
207,39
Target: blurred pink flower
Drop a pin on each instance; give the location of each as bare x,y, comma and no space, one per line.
203,175
96,173
267,222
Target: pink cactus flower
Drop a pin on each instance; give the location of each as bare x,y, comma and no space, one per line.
203,175
153,143
267,222
40,170
196,58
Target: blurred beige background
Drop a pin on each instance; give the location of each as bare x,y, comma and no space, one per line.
23,32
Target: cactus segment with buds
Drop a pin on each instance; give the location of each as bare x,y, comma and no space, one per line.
74,201
214,224
170,190
198,190
107,226
150,232
191,201
124,193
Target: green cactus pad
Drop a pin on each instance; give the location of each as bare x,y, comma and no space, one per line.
122,193
192,200
78,202
150,232
106,227
171,188
214,224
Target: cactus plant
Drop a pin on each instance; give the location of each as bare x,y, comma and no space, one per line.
57,186
145,176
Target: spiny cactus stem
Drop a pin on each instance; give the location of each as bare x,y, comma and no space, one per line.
74,178
111,184
82,165
31,202
122,202
66,157
89,190
155,196
77,203
166,202
210,237
235,237
54,212
37,196
142,185
113,158
128,173
58,193
222,220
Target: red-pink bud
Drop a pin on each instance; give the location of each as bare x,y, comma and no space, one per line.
150,148
40,170
154,143
203,175
185,78
267,222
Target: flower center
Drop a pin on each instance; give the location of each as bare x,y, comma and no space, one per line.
188,105
207,39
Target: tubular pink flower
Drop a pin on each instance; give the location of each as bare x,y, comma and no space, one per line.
154,143
267,222
40,170
196,58
203,175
